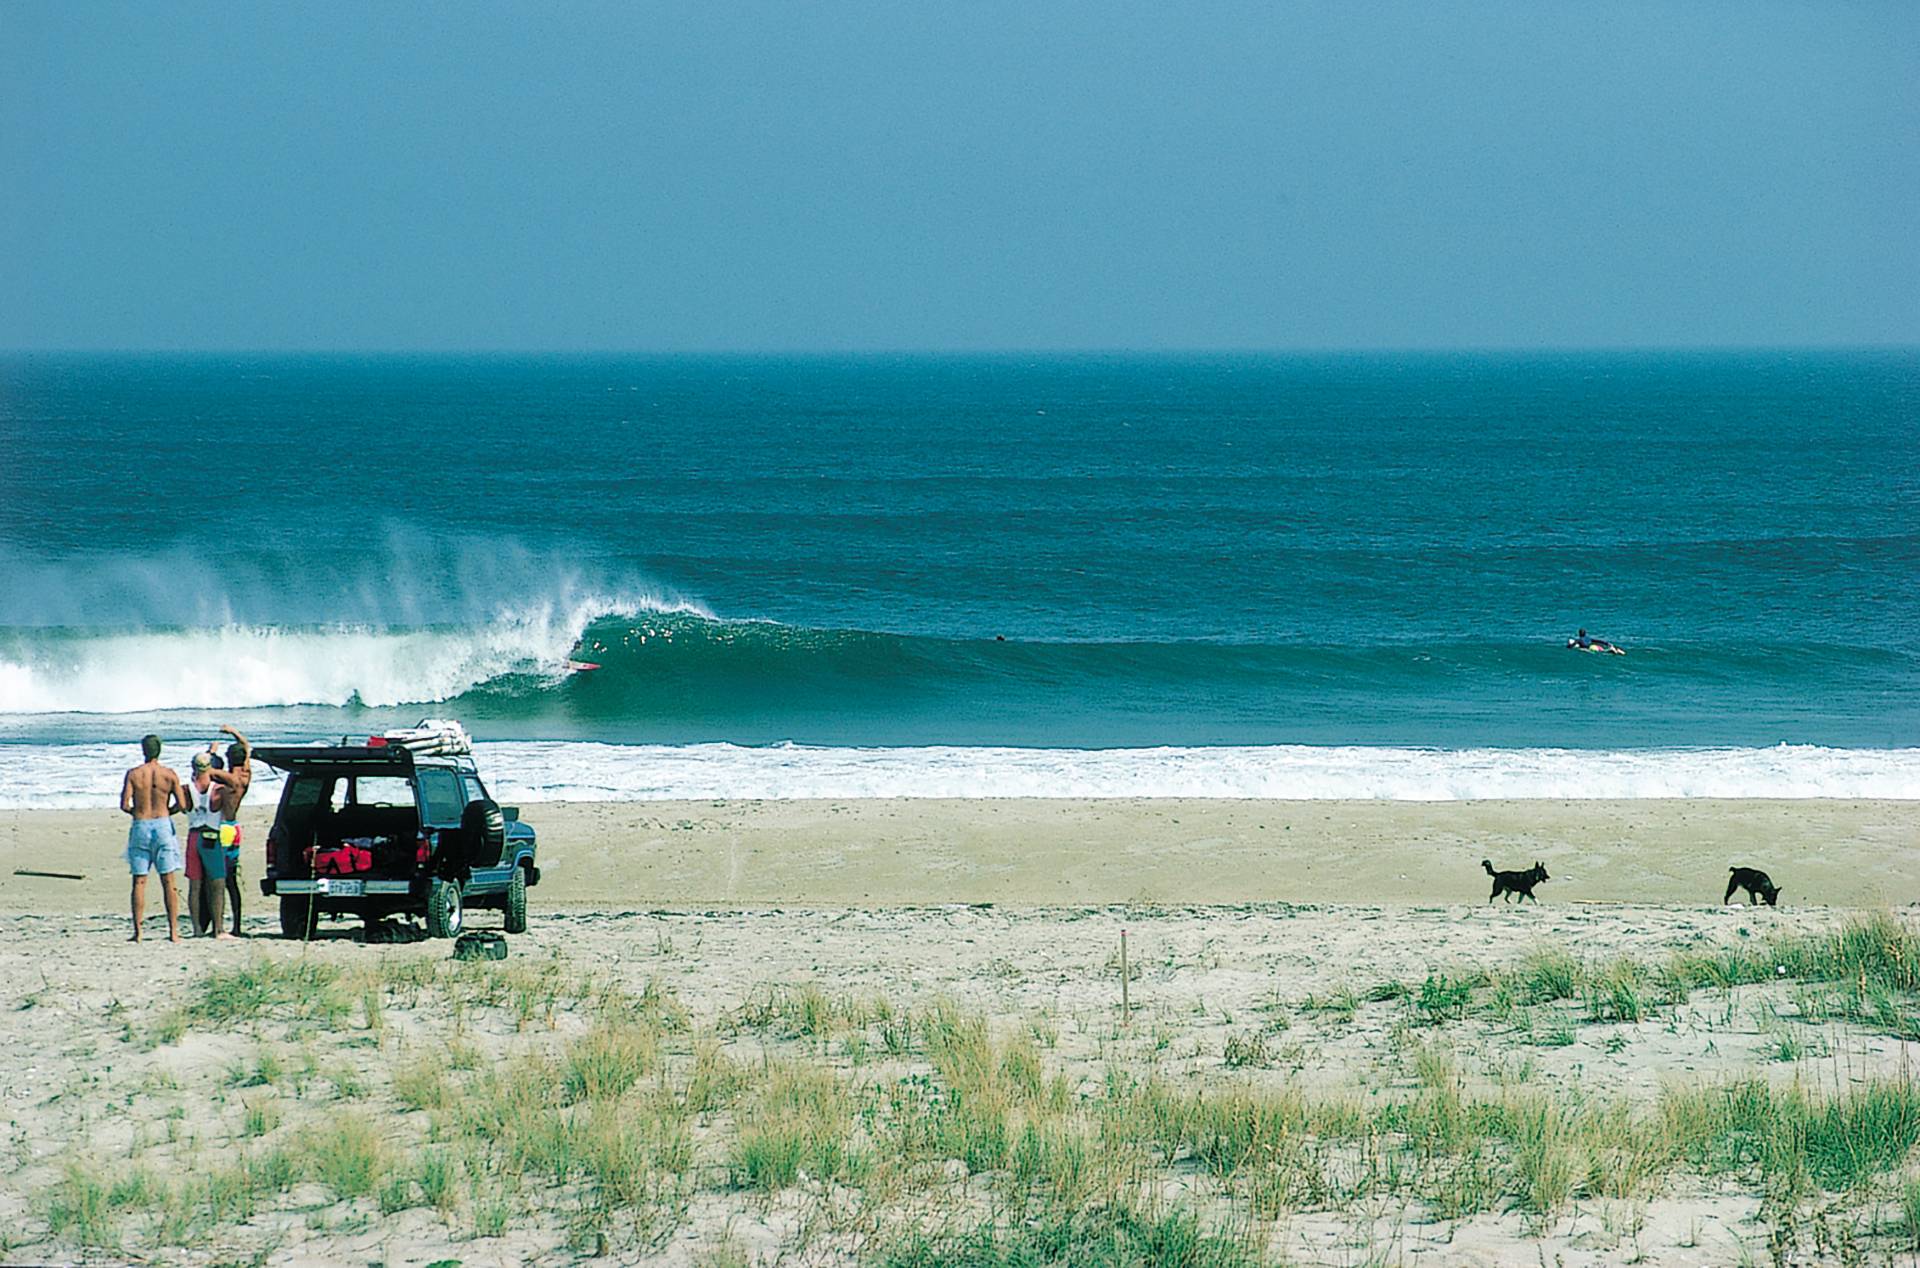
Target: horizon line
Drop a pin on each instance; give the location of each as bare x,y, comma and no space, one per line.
982,351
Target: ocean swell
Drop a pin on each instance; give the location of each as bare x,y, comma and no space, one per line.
669,672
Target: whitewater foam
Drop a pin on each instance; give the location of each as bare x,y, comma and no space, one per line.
80,775
252,666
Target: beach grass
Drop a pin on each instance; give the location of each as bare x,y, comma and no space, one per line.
925,1131
1866,972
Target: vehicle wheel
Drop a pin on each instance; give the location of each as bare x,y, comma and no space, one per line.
443,910
297,916
517,901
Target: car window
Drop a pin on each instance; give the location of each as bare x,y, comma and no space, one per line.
383,790
470,785
304,792
439,795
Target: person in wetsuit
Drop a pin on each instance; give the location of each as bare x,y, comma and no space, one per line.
1586,642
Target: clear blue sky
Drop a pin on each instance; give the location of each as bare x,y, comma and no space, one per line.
833,175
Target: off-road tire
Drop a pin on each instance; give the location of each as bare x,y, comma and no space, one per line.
444,913
297,916
516,904
483,831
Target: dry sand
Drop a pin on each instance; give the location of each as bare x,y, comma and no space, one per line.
1236,913
1043,852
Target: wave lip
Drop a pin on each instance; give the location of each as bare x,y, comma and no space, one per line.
88,775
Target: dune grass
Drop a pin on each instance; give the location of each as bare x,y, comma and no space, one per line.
1105,1237
795,1125
608,1111
1866,972
302,989
349,1156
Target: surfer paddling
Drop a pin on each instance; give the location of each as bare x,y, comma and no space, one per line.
1584,642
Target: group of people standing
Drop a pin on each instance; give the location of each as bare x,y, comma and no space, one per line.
152,794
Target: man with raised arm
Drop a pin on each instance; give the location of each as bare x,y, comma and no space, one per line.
152,794
234,782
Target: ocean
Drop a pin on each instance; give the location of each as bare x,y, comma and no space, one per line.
1285,576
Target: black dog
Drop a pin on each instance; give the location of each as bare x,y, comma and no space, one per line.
1511,883
1757,884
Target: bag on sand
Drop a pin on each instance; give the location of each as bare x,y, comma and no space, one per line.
481,944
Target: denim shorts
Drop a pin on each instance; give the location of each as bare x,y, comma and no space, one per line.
152,847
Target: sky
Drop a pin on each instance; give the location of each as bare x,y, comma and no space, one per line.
835,176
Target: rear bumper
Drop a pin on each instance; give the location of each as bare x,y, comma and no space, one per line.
343,887
487,884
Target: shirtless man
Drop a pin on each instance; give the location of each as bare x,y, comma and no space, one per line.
152,794
234,782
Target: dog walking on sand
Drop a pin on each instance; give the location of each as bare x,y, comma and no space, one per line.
1511,883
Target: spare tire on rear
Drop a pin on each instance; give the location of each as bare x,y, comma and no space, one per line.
484,831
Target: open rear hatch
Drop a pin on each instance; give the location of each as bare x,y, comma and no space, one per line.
385,760
348,815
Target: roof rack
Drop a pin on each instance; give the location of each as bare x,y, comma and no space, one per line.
433,737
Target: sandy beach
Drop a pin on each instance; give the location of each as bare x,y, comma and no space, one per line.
1335,963
1046,853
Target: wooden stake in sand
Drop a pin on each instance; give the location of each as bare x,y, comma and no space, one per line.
52,876
1126,1005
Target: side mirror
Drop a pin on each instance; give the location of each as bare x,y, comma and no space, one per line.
512,813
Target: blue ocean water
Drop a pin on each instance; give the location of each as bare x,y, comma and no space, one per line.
1072,554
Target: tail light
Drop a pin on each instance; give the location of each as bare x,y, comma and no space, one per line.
424,850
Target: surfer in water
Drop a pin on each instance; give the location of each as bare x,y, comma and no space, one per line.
1586,643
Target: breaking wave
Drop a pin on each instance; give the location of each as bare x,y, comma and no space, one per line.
248,666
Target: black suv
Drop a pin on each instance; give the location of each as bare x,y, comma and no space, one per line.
380,829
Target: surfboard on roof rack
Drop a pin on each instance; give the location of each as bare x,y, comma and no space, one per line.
433,737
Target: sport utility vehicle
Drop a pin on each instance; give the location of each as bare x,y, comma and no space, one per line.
399,824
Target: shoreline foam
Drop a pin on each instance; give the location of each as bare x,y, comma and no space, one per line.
77,776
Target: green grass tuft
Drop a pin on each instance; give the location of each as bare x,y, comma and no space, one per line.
796,1122
1109,1237
608,1060
349,1156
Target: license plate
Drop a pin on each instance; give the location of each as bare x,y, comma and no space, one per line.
342,889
